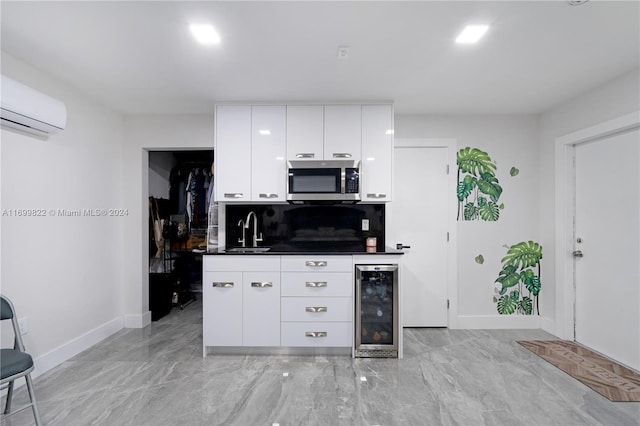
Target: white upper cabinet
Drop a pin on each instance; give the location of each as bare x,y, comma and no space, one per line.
253,144
342,132
377,153
268,153
305,132
233,153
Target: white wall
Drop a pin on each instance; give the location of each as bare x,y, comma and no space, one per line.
64,274
611,100
510,141
144,133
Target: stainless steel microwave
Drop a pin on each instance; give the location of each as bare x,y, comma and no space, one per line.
323,181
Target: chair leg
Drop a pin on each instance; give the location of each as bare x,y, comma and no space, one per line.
32,397
7,407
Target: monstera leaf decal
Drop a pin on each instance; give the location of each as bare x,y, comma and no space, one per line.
488,184
476,175
523,255
507,305
519,272
474,161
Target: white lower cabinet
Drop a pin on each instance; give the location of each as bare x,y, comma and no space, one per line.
272,301
241,301
317,301
222,308
261,309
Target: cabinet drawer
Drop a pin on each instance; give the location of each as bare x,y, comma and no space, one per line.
317,284
317,309
242,263
317,334
318,263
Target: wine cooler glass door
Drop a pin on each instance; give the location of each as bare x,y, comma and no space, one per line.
377,309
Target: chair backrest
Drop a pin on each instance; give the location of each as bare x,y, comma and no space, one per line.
6,308
7,311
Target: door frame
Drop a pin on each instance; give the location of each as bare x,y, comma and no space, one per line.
565,213
452,248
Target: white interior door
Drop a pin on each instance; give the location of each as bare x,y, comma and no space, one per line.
418,218
607,233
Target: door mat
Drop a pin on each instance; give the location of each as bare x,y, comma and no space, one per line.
607,377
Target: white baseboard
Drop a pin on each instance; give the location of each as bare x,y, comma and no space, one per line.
497,322
137,321
62,353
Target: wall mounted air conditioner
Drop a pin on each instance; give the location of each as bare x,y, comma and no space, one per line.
28,110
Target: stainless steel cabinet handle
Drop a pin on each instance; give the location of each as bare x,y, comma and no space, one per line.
316,309
316,263
315,334
376,195
233,195
222,284
316,284
261,284
341,155
268,195
305,155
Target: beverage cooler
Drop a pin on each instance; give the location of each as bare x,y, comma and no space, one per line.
377,323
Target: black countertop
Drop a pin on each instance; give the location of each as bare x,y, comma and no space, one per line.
280,251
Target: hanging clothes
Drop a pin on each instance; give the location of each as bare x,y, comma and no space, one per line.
190,198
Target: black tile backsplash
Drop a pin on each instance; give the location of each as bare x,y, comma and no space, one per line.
308,227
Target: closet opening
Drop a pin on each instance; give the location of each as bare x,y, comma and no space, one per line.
181,187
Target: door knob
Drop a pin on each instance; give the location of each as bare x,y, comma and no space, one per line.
578,253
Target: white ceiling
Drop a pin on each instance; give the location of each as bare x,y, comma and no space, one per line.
139,57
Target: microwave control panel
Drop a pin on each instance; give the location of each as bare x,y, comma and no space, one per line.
352,181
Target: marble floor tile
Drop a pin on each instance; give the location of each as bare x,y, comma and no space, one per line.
157,376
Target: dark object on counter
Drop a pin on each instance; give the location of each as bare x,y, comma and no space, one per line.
160,294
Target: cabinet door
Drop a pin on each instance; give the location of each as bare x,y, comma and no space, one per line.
261,309
342,132
268,152
222,309
305,132
233,153
377,153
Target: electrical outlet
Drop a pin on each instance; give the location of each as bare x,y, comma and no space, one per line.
23,325
365,224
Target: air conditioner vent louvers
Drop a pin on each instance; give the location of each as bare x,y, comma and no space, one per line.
27,110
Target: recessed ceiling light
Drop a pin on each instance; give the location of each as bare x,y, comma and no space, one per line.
205,34
471,34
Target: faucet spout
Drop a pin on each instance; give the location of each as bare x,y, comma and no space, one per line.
255,227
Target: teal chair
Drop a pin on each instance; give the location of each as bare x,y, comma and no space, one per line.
15,363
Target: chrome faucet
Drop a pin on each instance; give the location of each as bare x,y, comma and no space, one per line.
255,228
243,227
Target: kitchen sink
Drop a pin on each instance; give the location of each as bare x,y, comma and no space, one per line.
248,250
